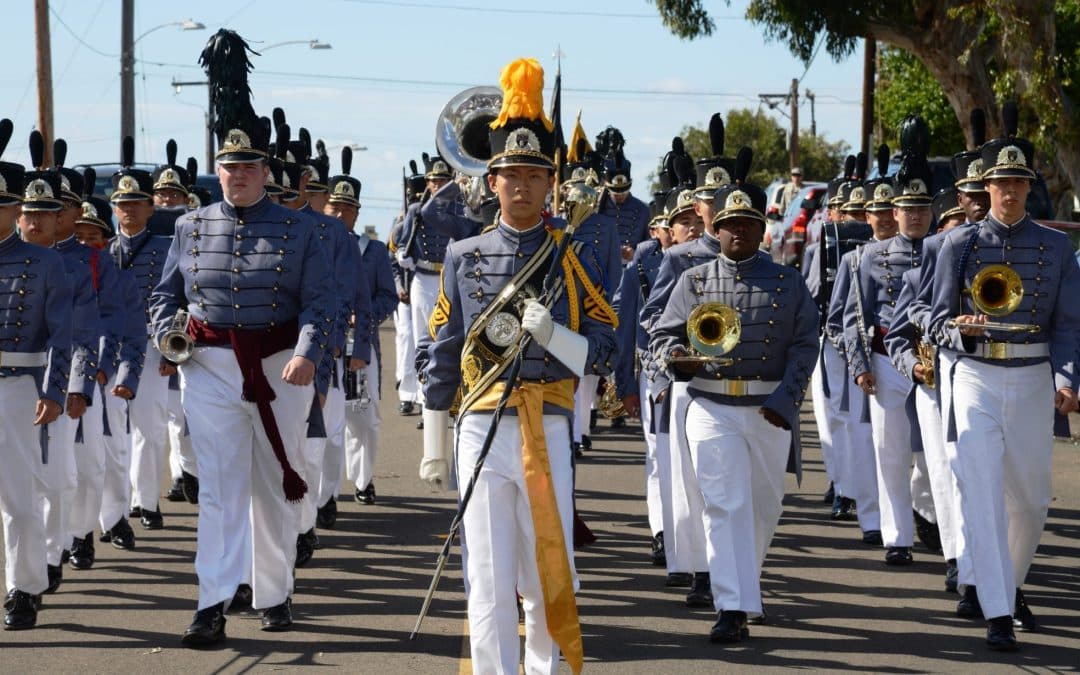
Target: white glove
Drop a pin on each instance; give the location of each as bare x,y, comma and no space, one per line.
564,344
434,468
404,260
537,320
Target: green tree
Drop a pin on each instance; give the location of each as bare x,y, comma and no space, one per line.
980,52
820,159
906,87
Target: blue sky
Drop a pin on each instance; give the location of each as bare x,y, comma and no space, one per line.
392,67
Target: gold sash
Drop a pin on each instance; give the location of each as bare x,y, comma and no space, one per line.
552,558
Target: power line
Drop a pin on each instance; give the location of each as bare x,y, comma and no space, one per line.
78,39
505,10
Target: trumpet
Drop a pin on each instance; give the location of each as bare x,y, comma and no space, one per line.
713,329
996,290
924,354
610,405
176,345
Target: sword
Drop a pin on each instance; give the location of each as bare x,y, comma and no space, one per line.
580,205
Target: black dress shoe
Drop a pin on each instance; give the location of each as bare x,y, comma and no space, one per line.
586,442
121,535
659,555
56,576
241,601
152,520
619,422
830,495
326,516
135,512
1022,616
367,495
700,594
406,407
278,618
928,532
82,552
176,492
65,556
190,486
999,634
730,627
207,629
579,452
952,575
843,509
313,539
969,607
898,556
872,537
679,580
592,419
304,550
759,620
20,610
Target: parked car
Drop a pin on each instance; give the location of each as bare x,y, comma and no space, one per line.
800,211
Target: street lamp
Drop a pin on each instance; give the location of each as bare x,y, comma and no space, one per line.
312,44
127,61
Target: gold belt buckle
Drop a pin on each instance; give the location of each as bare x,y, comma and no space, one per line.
735,388
998,350
438,267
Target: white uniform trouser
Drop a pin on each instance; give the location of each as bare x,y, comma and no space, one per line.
240,479
824,420
502,543
362,430
966,575
90,467
654,498
1004,421
21,487
942,481
583,403
687,547
858,459
423,293
116,495
181,456
892,449
149,430
739,459
59,483
315,451
333,460
405,354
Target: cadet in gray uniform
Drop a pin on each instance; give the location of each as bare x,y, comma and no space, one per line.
1006,386
518,529
742,422
35,340
255,280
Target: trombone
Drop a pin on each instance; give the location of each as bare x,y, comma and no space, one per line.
713,329
996,290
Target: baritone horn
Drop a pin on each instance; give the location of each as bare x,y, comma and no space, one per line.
997,290
713,329
176,345
461,132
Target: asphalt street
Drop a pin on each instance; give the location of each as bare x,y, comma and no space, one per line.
832,603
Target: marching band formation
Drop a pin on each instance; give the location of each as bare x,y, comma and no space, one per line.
236,343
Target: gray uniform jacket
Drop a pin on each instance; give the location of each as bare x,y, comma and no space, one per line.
85,321
811,268
779,338
142,257
629,219
1044,260
35,314
638,278
445,212
250,268
375,268
877,286
475,270
600,232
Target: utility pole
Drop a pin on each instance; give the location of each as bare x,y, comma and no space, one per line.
869,75
794,147
44,76
127,69
813,119
211,138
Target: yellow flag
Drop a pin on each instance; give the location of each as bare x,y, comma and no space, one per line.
579,134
